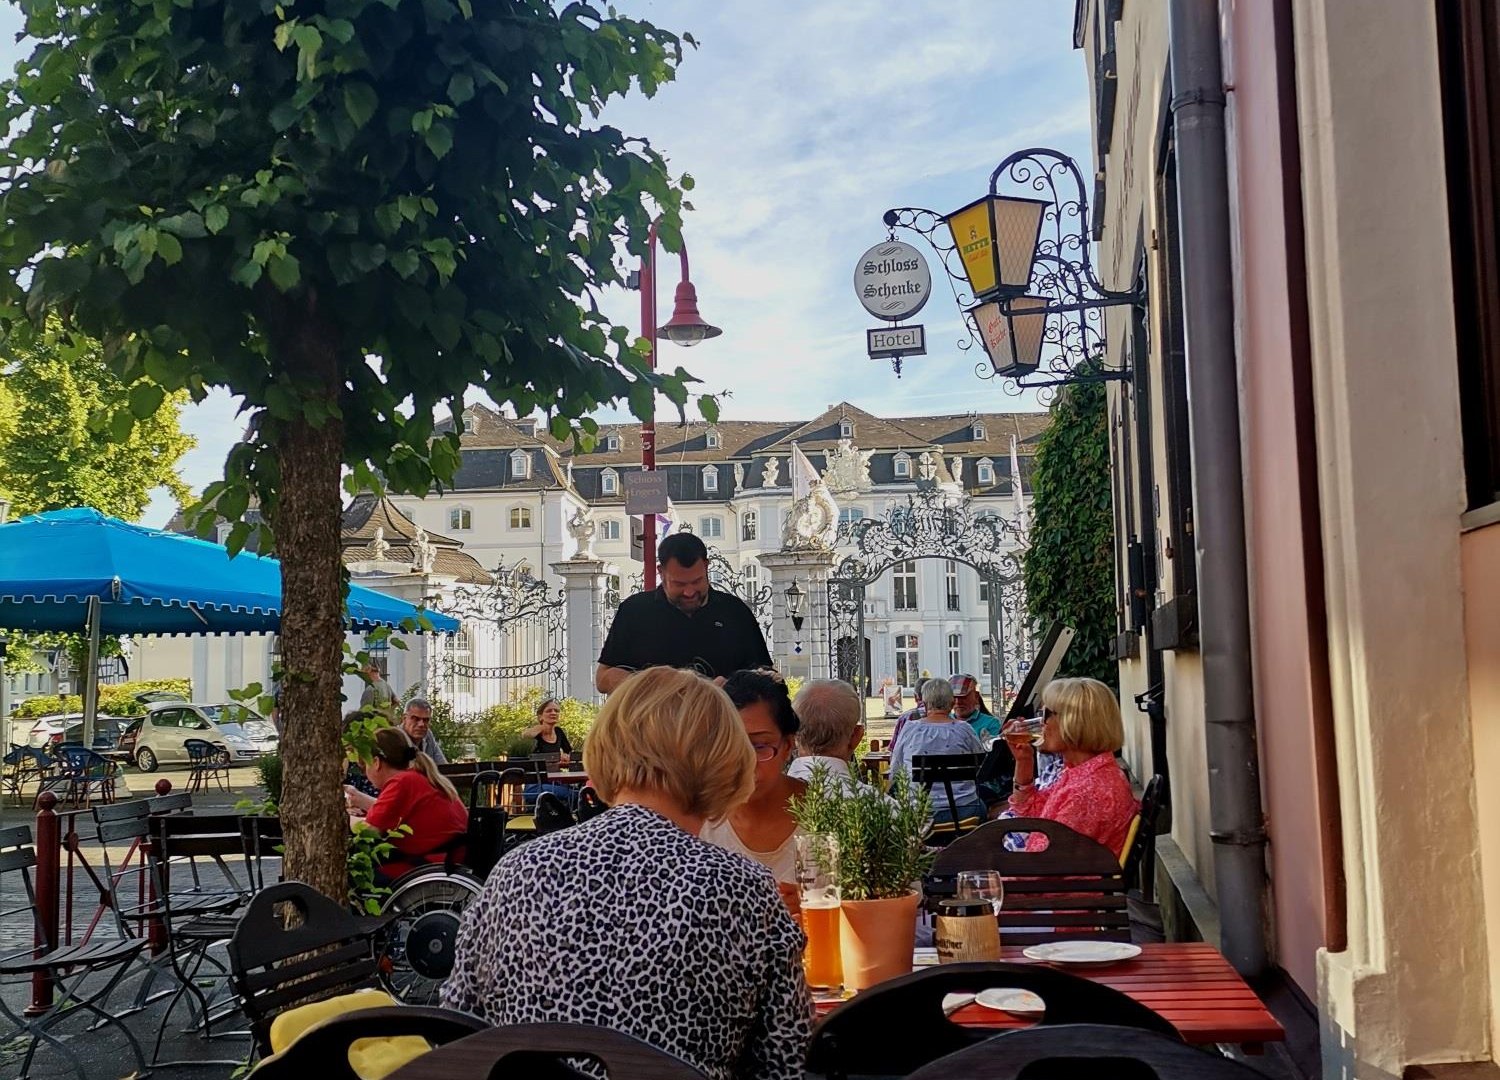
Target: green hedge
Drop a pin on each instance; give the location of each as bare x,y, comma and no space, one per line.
116,699
497,730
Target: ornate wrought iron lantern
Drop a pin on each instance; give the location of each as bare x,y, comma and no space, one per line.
796,604
1021,269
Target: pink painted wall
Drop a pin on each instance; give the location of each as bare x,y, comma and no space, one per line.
1285,564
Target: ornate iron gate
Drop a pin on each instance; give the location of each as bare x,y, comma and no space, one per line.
513,638
930,524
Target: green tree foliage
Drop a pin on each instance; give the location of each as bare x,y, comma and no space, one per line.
347,212
49,459
1070,567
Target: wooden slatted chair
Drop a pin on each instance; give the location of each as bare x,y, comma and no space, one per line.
855,1038
943,771
537,1052
1074,890
1085,1052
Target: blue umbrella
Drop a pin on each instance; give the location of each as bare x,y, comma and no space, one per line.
78,571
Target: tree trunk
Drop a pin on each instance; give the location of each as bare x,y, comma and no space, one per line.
307,520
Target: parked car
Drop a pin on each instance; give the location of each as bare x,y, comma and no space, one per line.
160,737
49,732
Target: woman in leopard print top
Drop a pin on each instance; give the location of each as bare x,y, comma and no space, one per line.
629,921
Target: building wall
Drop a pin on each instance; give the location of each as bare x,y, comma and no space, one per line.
1481,581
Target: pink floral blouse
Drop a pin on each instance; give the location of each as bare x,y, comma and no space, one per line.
1093,798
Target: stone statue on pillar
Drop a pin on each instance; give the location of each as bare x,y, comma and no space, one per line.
423,553
380,547
582,527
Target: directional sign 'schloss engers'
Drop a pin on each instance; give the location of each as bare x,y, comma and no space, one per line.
892,281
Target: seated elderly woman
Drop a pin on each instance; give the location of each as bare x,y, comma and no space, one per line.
414,794
1092,795
629,920
937,732
762,828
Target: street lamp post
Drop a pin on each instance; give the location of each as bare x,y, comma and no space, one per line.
687,328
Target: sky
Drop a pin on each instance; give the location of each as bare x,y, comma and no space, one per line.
801,123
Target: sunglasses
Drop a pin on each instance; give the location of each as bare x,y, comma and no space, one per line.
1048,714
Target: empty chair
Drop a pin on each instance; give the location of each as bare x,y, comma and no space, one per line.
1084,1052
1074,890
83,776
207,764
938,773
899,1026
323,1050
537,1052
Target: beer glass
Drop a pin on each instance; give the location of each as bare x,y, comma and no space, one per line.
818,891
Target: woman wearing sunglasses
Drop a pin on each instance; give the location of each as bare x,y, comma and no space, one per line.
1082,724
762,829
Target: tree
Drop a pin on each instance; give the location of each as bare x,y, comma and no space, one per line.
1069,568
348,212
49,459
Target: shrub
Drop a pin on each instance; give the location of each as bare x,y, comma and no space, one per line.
496,732
116,699
268,775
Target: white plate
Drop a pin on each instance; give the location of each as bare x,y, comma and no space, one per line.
1018,1002
923,957
1082,952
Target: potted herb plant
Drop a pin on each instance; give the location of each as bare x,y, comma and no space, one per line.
881,860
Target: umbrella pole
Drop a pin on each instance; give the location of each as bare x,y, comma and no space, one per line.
91,674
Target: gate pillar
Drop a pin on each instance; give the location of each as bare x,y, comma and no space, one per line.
803,653
584,582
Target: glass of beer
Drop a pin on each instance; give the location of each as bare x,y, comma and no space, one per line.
818,889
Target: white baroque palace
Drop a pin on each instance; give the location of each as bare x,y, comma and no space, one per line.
523,500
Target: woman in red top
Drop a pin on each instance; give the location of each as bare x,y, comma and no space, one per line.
412,793
1092,796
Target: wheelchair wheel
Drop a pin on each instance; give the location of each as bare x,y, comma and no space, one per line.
420,941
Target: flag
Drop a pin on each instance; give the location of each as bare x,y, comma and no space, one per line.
1015,480
803,474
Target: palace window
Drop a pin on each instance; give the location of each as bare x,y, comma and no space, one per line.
749,525
978,432
520,517
908,659
468,423
901,465
905,582
612,443
950,583
713,441
850,514
609,482
711,528
609,529
846,429
710,478
460,519
986,471
955,655
520,465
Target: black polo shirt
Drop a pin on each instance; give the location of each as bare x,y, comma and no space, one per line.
720,638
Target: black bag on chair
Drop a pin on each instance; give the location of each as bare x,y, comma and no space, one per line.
551,814
589,804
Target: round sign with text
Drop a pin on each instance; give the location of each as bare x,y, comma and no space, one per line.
892,280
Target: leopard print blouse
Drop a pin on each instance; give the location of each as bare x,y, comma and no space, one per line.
627,922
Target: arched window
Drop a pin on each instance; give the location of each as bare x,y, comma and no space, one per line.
986,471
609,529
749,525
520,517
460,519
713,439
902,465
710,478
520,465
609,482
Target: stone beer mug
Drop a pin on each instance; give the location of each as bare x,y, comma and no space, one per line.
966,930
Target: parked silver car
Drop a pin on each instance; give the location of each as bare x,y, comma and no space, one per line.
161,736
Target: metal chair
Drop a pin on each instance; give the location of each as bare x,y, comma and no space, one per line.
206,764
1085,1052
260,839
855,1038
1074,890
82,774
293,945
23,765
538,1052
323,1050
929,770
67,966
1140,853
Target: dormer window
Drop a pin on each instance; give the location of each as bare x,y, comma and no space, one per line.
710,478
986,471
612,443
468,423
609,482
978,431
713,440
902,465
846,429
520,465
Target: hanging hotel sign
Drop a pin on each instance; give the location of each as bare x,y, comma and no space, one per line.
892,281
891,341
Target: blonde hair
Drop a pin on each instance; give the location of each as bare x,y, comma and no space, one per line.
676,733
394,747
1088,715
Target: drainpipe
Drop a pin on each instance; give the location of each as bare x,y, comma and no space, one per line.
1236,824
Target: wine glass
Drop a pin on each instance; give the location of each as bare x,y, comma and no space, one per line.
982,885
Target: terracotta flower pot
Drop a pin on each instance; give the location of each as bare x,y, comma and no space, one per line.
876,938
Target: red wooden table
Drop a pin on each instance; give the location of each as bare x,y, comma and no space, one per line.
1190,984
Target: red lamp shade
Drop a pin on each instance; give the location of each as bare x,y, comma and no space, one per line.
686,326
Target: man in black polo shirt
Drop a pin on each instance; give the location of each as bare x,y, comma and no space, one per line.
684,623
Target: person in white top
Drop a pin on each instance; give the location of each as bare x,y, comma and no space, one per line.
763,829
832,725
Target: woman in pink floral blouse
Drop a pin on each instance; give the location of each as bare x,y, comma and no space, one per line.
1092,796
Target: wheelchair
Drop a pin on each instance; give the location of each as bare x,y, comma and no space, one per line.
425,905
